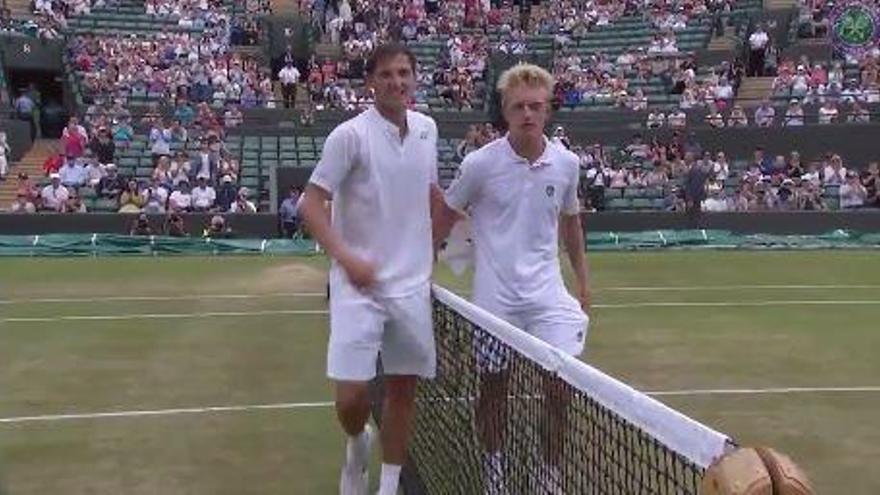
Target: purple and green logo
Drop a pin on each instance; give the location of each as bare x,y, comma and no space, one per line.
855,26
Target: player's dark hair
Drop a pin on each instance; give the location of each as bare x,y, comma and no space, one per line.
386,51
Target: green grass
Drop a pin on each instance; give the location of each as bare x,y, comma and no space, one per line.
53,367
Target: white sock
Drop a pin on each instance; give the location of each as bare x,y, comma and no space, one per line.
389,479
356,453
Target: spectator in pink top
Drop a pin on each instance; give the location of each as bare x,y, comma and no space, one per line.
74,138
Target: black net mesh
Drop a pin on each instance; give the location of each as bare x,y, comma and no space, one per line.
549,437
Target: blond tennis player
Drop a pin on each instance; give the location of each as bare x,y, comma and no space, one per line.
520,192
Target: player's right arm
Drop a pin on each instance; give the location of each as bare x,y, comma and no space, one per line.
336,163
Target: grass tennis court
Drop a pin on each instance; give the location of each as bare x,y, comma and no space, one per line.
724,336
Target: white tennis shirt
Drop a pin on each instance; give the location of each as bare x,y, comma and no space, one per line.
515,208
381,196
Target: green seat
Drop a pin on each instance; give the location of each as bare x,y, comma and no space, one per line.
618,204
653,192
642,203
107,205
613,192
633,192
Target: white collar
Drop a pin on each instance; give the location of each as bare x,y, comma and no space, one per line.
543,160
390,127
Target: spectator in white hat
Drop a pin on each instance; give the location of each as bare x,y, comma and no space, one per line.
242,204
54,195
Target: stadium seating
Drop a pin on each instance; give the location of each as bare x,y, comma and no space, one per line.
129,16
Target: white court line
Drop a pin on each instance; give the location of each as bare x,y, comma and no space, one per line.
726,304
162,316
164,412
681,288
206,297
184,297
229,314
328,404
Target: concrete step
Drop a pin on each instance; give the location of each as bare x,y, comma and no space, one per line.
302,97
779,4
284,7
328,50
753,90
725,42
31,163
21,9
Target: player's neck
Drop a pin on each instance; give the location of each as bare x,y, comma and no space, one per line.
395,116
529,147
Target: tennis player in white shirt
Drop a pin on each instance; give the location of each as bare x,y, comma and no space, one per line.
380,170
520,192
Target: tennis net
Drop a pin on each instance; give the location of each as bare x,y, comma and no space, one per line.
509,414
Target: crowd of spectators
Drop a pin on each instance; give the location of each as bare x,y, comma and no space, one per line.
477,136
802,91
456,75
600,79
574,18
814,18
359,25
820,82
205,179
692,178
170,67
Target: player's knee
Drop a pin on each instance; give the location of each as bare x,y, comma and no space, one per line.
352,398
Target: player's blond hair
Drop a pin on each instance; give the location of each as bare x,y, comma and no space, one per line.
523,74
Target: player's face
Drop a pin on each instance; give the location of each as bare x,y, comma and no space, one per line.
393,82
527,110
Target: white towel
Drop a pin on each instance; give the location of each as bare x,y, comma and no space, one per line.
459,251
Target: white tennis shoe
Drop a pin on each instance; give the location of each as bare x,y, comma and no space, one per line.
355,476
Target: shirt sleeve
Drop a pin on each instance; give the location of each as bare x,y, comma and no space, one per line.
337,160
464,188
434,177
570,203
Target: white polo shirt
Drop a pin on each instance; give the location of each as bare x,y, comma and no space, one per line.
288,75
203,198
514,208
381,197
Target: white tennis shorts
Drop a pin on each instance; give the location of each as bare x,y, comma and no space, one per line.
560,323
363,326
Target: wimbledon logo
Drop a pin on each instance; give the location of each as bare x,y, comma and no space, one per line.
855,26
